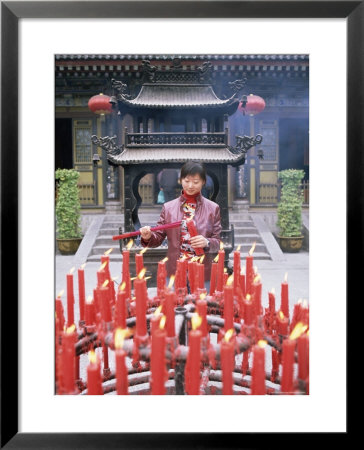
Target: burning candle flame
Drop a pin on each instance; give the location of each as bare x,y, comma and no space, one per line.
248,297
257,279
194,258
158,311
299,329
221,245
129,244
285,277
299,301
105,283
122,286
216,258
107,253
162,322
142,251
83,266
262,343
202,258
120,334
71,329
251,251
242,271
142,273
228,334
305,304
196,321
60,294
72,269
103,265
203,295
238,248
171,281
89,299
230,280
281,315
273,291
92,357
164,260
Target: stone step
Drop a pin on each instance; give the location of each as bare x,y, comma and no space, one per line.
114,257
101,249
248,238
257,256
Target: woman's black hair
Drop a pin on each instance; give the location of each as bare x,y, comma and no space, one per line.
193,168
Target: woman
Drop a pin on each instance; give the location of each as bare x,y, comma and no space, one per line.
190,205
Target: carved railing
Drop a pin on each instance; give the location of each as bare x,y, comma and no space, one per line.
175,139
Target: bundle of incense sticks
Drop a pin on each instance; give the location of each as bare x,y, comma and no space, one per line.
136,233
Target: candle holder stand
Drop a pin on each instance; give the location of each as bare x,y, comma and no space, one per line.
243,336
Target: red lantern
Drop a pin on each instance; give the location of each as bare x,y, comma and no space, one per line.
100,104
254,105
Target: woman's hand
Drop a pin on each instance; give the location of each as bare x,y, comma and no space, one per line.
145,233
198,241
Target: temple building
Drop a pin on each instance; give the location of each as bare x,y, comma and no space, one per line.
161,110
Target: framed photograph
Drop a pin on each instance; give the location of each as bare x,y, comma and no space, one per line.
330,32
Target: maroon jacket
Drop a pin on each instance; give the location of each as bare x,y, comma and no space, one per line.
207,219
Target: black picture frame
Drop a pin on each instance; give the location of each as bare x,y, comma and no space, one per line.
11,13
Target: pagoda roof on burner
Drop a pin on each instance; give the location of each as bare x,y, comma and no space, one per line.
166,155
172,95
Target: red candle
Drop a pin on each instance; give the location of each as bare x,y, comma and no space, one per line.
70,299
282,324
121,307
228,305
200,270
120,366
126,270
81,291
191,227
90,312
158,361
284,297
275,364
104,295
69,360
296,314
59,312
213,278
237,268
248,310
194,357
191,275
242,283
182,273
94,386
299,333
161,275
139,261
288,349
258,369
155,319
101,274
140,288
170,302
249,270
202,312
272,302
303,356
220,269
257,289
227,362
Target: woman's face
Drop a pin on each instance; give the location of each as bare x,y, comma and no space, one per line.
192,184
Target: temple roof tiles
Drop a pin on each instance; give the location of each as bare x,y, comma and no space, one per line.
165,155
176,95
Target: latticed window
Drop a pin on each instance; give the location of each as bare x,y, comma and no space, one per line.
268,129
82,142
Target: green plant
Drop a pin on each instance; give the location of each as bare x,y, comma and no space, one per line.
68,207
290,206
